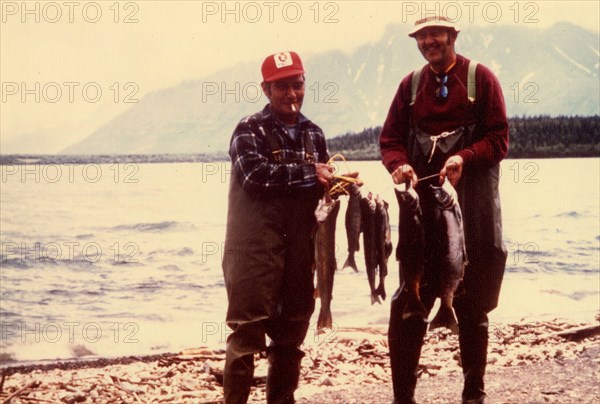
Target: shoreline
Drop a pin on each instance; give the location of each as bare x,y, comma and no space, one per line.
340,368
216,157
11,366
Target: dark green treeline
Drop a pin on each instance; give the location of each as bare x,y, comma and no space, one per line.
530,137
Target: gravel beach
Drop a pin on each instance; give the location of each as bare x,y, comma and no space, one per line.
536,362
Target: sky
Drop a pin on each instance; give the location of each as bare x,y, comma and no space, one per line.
67,67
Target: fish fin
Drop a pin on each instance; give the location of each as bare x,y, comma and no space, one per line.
350,262
325,320
381,291
445,318
388,249
414,307
375,298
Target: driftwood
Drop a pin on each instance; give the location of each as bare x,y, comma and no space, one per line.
351,357
17,393
579,333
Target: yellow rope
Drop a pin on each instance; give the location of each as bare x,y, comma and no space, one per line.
341,182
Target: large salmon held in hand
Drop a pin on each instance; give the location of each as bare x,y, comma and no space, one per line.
449,227
410,251
326,214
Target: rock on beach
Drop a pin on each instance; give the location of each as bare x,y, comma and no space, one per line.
537,362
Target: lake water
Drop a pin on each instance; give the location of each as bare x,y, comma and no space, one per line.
126,259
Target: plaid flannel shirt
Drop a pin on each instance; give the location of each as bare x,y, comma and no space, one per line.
252,160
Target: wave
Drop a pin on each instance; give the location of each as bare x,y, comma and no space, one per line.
155,227
184,252
127,263
552,268
80,350
571,213
117,315
92,292
576,295
173,268
7,357
151,285
62,292
34,262
14,263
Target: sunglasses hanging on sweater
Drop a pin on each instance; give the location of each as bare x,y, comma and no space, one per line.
442,90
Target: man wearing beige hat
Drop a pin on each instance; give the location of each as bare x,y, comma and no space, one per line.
448,120
278,161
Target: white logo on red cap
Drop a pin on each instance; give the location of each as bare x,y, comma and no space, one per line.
283,59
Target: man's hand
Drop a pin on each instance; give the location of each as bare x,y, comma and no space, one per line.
405,173
324,173
353,175
452,169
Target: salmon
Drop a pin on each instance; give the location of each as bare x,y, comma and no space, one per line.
449,225
410,251
368,212
353,226
326,213
376,242
383,242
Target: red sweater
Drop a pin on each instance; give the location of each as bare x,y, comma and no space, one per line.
434,115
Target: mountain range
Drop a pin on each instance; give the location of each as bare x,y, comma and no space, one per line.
552,71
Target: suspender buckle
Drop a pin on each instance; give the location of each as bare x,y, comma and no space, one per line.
276,155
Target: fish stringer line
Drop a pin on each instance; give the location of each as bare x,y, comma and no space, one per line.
341,182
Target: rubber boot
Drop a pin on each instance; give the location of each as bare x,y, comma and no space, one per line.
405,339
284,373
238,375
237,379
473,340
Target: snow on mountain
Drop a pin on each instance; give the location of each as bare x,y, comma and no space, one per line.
551,71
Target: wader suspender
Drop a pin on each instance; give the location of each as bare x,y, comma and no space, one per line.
273,139
471,82
471,95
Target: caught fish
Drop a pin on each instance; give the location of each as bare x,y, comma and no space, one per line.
453,252
377,243
411,250
353,226
326,214
383,242
368,212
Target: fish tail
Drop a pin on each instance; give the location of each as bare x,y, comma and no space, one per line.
380,291
350,262
445,318
375,298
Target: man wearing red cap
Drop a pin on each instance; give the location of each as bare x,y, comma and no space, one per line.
448,119
278,161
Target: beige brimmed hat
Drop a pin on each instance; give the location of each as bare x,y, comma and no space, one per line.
434,21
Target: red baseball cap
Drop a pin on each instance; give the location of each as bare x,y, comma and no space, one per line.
281,65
